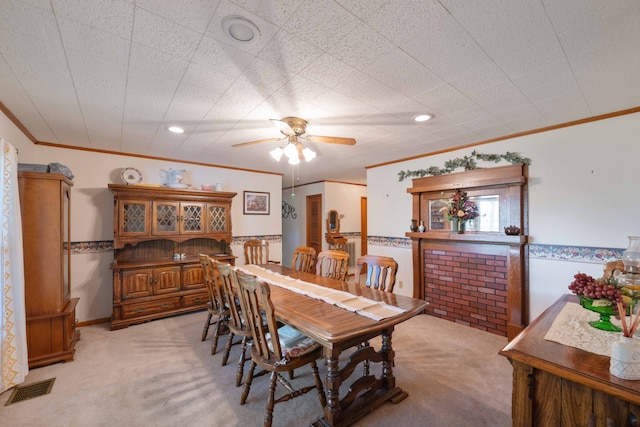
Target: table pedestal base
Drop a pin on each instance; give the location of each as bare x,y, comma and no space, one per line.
365,393
362,408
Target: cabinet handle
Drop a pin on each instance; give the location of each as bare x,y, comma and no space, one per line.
140,310
196,300
164,306
531,385
150,280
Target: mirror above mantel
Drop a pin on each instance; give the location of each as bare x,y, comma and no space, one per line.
500,194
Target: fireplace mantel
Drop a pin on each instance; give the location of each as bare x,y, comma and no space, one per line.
452,252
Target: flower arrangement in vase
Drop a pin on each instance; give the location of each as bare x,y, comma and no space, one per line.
460,209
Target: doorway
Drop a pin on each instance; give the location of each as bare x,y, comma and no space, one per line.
363,227
314,222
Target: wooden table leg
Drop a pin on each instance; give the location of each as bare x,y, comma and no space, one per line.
365,392
332,387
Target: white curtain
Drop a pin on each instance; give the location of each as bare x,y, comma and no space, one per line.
13,324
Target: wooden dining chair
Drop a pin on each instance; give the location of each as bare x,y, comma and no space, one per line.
333,263
216,307
211,310
237,324
256,251
304,259
380,272
275,350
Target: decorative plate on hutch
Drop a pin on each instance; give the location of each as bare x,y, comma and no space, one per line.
131,176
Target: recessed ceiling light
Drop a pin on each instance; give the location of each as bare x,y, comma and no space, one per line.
423,117
240,29
175,129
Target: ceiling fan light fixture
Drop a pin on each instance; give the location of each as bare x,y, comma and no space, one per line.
422,118
240,29
294,160
293,128
277,153
291,151
308,154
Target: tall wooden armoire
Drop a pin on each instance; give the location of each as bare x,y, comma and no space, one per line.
45,204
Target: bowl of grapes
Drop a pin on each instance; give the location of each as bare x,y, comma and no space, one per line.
602,296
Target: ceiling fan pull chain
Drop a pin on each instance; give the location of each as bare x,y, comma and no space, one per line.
293,181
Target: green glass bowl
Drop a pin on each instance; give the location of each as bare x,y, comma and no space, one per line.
604,323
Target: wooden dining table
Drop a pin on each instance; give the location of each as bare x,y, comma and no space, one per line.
338,330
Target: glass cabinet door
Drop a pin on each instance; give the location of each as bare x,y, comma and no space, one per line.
134,216
191,218
165,218
66,244
217,221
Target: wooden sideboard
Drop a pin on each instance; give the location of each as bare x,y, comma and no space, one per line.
557,385
45,204
151,224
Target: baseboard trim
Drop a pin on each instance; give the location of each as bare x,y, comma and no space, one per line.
93,322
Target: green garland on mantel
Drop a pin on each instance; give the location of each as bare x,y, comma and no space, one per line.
466,162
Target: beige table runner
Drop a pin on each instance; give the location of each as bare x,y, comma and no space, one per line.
375,310
572,328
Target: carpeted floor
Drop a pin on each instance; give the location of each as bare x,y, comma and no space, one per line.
161,374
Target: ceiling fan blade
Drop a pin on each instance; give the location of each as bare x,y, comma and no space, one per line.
283,126
257,142
331,139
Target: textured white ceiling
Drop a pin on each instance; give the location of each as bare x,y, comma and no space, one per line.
113,74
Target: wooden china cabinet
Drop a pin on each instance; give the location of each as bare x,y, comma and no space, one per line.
151,225
45,203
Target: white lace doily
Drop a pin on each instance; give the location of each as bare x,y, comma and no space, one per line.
572,328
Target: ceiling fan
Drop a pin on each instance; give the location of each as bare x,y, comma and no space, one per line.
294,128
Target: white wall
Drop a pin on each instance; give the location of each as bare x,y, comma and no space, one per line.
92,208
294,231
344,198
583,185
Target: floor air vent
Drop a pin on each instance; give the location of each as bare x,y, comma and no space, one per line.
29,391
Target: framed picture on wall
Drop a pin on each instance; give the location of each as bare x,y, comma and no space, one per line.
256,203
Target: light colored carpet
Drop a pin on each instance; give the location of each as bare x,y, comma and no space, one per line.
161,374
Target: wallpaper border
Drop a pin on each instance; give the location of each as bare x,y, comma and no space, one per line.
575,253
99,246
549,252
586,254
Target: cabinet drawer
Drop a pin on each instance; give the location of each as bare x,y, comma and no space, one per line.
150,307
194,300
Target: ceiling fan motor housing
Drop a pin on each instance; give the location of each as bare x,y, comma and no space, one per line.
297,125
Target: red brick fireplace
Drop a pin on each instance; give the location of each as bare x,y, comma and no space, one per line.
477,278
468,288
